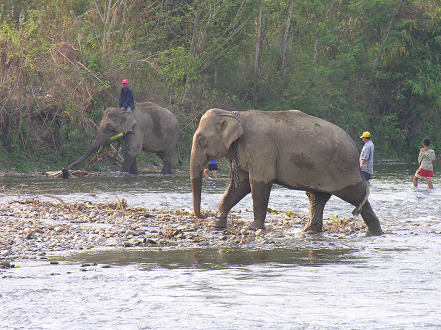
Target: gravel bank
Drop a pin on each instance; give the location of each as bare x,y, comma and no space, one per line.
34,229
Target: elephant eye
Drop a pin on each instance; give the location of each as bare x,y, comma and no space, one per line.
201,141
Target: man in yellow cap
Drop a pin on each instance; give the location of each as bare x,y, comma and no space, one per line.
367,157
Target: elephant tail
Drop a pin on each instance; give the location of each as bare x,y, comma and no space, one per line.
357,210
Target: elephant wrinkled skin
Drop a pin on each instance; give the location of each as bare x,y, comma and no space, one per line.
289,148
149,127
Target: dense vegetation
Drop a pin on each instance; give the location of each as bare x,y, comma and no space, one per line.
363,64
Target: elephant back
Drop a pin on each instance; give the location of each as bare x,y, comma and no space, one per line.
163,121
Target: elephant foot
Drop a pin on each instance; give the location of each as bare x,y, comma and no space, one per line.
218,223
256,226
374,232
200,216
311,230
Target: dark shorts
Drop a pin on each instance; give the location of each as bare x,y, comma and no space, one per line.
366,175
212,167
128,109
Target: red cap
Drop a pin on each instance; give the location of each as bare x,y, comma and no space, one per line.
125,81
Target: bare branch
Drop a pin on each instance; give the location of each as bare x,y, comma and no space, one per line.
386,36
285,37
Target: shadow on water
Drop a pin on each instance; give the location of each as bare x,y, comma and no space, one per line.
213,258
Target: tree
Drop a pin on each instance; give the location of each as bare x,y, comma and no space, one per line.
257,54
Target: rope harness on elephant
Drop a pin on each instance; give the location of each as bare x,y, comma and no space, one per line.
233,163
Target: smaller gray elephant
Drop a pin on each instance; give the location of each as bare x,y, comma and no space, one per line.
149,127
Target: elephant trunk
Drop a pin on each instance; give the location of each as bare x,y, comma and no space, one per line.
99,141
196,181
196,187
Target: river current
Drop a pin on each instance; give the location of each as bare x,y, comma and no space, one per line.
313,282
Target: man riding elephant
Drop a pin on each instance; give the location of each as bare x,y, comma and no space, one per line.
127,104
126,99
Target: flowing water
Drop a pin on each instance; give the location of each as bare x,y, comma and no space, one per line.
314,282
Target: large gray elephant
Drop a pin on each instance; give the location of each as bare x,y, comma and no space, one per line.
289,148
151,128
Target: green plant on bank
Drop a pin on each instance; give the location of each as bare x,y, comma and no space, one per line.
335,218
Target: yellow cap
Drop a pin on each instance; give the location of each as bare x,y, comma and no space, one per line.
365,134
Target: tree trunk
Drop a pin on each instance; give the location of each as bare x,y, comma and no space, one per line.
257,54
285,37
386,36
317,32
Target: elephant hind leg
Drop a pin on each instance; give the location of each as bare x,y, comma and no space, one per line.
371,220
317,202
356,196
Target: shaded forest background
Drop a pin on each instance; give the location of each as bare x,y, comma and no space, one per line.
362,64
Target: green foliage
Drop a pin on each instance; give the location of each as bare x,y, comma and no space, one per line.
61,62
335,218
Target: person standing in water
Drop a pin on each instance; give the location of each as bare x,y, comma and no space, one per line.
425,161
367,157
212,166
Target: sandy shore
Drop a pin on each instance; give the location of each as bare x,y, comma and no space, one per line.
34,229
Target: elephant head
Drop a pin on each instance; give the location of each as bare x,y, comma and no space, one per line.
114,121
217,130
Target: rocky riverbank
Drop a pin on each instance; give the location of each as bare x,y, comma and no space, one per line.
35,229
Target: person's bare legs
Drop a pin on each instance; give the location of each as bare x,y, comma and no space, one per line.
415,181
214,174
429,183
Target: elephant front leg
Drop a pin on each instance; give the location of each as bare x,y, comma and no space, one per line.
260,192
231,197
132,149
317,203
129,164
134,167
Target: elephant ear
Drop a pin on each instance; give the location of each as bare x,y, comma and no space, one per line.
231,130
128,120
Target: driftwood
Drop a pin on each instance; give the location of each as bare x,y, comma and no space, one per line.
73,174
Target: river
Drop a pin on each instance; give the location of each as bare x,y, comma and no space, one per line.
312,282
